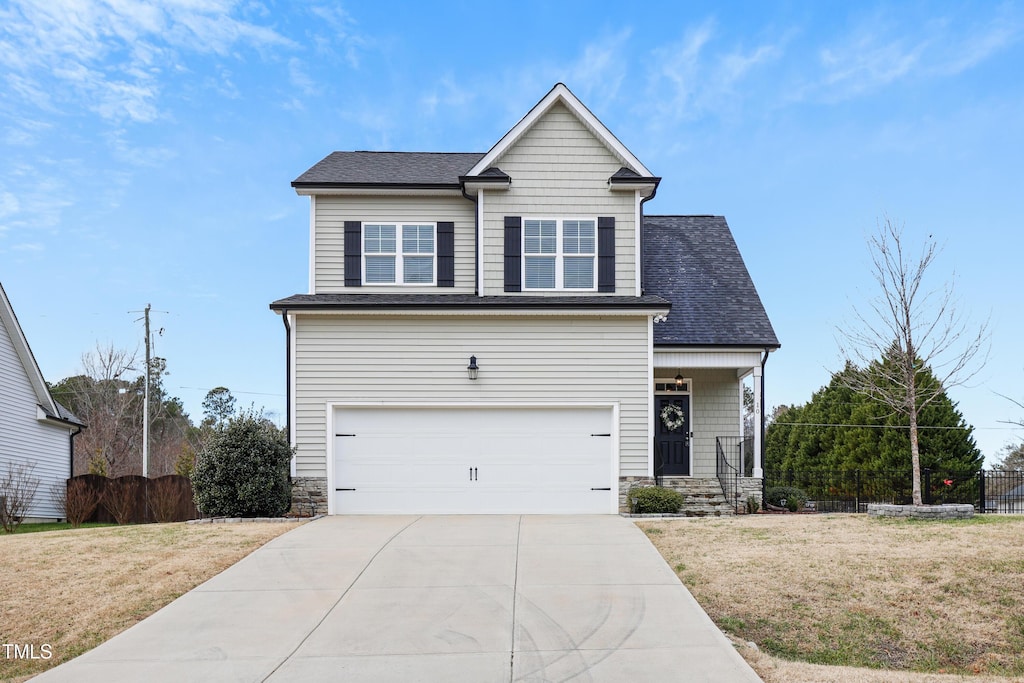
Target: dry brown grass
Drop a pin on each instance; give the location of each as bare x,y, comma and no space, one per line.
75,589
894,597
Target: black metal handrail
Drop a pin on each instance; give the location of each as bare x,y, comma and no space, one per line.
727,472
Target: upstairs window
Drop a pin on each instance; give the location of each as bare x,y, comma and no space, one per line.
559,253
399,253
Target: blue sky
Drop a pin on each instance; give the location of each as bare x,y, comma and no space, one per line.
146,151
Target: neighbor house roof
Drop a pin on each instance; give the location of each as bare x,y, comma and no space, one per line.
389,169
693,262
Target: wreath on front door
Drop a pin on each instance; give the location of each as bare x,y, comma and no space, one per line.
672,417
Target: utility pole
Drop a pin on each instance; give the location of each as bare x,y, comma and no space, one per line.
145,408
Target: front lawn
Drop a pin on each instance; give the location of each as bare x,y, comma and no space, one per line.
36,527
852,591
74,589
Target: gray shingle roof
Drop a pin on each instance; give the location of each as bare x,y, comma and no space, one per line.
693,262
418,169
350,301
63,414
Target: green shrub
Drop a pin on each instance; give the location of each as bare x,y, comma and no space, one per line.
753,505
243,470
655,500
794,497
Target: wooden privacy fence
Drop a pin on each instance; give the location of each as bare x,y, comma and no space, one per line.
136,500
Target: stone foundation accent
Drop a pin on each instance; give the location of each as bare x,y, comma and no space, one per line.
751,487
309,496
625,484
958,511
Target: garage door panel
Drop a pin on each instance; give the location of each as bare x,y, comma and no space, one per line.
473,460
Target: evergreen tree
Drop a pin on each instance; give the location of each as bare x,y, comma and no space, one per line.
840,429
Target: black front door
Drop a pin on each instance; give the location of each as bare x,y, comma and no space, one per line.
672,439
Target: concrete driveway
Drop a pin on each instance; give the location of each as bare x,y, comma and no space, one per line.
436,598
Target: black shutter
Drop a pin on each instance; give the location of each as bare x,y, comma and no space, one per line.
353,254
446,254
513,254
606,254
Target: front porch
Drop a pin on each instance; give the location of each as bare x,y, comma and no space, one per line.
701,444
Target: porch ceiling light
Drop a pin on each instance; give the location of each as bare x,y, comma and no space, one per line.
472,368
679,380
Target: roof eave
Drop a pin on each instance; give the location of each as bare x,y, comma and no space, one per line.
646,186
309,189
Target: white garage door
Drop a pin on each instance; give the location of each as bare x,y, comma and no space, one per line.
473,460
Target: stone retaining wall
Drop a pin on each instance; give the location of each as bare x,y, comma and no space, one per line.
959,511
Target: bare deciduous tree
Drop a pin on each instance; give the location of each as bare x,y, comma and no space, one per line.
107,396
17,492
907,330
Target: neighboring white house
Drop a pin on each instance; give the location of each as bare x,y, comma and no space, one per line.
34,429
508,332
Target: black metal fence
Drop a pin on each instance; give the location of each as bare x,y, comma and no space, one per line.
851,490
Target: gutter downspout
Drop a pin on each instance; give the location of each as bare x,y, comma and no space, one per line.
476,239
71,468
643,262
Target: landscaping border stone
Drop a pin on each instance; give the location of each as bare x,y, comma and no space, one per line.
950,511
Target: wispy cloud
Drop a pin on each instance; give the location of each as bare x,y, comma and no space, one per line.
696,76
343,38
880,52
105,56
447,94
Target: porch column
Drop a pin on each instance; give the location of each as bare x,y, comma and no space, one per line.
759,426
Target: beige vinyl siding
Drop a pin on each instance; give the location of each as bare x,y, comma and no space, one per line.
716,412
329,238
23,437
559,169
525,360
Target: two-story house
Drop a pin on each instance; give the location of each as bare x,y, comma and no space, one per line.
508,332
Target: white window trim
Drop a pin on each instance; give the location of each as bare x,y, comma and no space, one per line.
559,254
399,270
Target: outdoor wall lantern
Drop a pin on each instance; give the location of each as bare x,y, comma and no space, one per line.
679,380
472,368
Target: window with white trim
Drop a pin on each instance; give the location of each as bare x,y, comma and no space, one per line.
399,254
559,253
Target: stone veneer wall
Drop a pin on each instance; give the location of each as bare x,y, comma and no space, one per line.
751,487
306,489
626,483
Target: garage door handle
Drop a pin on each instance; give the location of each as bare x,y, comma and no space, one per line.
344,434
344,489
600,434
472,474
601,488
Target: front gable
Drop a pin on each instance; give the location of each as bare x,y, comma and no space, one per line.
559,170
560,97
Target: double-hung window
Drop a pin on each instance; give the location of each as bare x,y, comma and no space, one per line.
399,253
559,253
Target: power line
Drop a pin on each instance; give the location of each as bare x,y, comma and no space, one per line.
823,424
247,393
